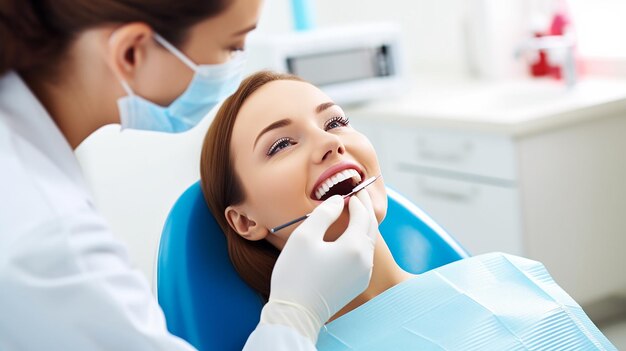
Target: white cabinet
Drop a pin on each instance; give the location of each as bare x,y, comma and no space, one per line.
573,192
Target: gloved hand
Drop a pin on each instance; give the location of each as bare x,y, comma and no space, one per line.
313,279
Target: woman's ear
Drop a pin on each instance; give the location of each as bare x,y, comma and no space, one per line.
244,225
127,49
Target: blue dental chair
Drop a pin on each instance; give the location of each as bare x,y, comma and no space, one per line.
206,303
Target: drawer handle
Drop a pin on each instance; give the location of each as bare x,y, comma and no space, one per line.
454,154
464,193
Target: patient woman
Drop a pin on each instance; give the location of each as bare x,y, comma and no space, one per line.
276,149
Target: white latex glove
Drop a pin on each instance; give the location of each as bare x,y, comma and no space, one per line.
313,279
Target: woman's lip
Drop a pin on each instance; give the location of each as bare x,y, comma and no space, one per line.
332,171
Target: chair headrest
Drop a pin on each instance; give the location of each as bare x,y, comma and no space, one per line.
199,290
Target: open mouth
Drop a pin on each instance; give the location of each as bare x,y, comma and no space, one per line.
340,183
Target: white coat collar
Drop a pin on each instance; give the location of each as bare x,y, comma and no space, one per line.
22,112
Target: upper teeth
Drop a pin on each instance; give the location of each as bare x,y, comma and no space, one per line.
337,178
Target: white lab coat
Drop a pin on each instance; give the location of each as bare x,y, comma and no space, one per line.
65,282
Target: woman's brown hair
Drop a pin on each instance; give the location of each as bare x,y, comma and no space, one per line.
34,34
253,260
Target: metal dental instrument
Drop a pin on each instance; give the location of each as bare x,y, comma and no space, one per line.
356,189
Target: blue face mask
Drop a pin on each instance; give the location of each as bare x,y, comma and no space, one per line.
210,85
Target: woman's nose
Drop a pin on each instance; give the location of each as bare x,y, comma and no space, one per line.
328,147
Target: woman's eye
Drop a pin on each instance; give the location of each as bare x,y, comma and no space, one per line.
336,122
279,145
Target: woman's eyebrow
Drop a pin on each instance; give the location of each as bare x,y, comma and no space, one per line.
322,107
278,124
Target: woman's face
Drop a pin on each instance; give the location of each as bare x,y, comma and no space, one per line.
289,141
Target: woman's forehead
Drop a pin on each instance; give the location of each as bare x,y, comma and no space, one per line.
278,100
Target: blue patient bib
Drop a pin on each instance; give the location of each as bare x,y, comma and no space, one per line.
493,302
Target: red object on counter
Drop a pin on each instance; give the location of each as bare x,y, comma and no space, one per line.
560,21
558,26
541,67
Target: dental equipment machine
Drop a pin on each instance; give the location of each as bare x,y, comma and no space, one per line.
358,188
349,63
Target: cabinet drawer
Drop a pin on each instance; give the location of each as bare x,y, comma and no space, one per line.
483,218
479,154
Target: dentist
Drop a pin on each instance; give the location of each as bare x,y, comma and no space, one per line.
69,67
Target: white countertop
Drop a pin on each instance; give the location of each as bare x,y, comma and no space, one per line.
514,108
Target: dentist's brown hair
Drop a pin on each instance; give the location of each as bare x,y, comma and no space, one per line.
36,34
253,260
